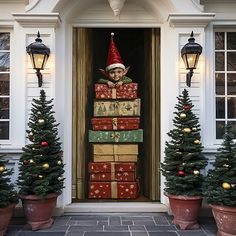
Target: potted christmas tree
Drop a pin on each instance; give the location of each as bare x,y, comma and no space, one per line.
8,197
220,185
182,165
41,167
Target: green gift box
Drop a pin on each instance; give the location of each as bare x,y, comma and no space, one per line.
131,136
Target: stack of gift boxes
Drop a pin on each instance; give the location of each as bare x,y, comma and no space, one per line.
115,136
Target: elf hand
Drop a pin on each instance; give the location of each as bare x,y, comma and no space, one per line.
119,84
110,84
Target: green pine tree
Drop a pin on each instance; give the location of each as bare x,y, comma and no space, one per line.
7,193
183,153
220,184
41,166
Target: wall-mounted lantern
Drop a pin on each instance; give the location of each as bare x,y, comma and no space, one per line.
190,54
39,54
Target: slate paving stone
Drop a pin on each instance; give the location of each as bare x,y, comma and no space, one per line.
74,234
143,222
106,234
86,228
137,228
139,234
127,222
160,228
114,220
37,233
83,222
162,233
116,228
161,220
89,217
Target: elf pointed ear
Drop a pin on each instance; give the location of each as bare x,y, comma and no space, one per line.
126,70
103,72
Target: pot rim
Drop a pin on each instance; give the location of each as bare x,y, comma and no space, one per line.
36,197
183,197
223,207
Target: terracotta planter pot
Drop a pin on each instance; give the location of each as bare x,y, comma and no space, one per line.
185,210
5,217
225,218
39,211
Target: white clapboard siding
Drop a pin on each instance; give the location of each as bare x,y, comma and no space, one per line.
32,89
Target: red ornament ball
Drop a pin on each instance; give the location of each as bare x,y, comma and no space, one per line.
181,173
44,143
186,107
25,162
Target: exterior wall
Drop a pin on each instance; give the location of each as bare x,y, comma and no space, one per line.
55,20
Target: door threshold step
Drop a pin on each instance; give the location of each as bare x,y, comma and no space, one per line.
109,207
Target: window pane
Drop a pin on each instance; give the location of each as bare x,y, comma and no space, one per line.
220,83
220,107
220,129
231,107
231,84
4,61
4,41
4,108
234,127
231,40
220,61
219,40
231,61
4,84
4,130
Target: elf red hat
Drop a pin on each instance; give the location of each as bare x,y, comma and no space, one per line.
113,59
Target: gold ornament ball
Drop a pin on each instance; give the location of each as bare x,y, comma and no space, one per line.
182,115
31,161
2,168
187,130
59,162
41,121
194,129
45,166
196,141
59,178
196,172
40,176
31,134
226,185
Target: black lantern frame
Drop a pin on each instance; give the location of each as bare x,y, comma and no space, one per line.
190,54
39,54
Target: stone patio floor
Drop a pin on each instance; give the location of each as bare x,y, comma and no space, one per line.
113,224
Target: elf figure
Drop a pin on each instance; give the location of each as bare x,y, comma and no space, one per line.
115,70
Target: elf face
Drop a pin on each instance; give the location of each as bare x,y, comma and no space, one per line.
116,74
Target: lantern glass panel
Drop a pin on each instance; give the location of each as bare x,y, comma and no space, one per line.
39,61
191,60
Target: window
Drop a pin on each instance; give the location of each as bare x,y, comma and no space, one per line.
4,84
225,80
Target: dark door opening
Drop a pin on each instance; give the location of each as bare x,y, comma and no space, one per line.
139,49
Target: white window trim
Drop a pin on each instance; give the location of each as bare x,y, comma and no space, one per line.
210,141
8,141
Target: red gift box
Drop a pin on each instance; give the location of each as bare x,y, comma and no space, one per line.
113,190
119,123
109,171
125,91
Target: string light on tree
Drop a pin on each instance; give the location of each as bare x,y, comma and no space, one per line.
41,121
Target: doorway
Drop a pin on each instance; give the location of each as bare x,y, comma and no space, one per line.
139,49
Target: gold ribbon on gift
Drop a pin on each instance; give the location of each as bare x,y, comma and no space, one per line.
115,136
113,171
113,92
114,123
114,190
